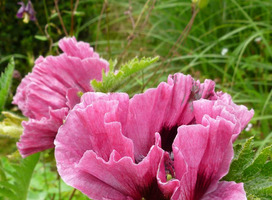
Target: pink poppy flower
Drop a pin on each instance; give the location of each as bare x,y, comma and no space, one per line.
113,147
47,93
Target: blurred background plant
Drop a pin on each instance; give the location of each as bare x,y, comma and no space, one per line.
229,41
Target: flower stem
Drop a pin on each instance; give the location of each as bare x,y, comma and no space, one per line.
60,18
72,195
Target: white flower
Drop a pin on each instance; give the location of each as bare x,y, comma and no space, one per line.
258,39
224,51
249,126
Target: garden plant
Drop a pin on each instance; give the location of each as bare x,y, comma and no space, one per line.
146,99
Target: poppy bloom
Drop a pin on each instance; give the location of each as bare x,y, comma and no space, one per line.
52,88
162,144
26,12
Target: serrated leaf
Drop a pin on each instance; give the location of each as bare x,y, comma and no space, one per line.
11,125
5,83
112,79
16,187
254,170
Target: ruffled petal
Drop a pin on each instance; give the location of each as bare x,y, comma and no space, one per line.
224,107
50,80
101,152
73,97
73,48
158,110
55,82
227,191
162,110
202,155
39,135
121,173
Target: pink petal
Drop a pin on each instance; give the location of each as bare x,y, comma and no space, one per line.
227,191
73,97
224,107
134,180
39,135
202,155
162,110
158,110
99,128
100,154
54,83
73,48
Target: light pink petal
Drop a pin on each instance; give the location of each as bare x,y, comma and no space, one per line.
39,135
91,145
227,191
188,149
134,180
53,76
121,113
99,130
73,97
55,82
73,48
39,99
202,155
240,111
224,107
162,110
158,110
219,152
70,72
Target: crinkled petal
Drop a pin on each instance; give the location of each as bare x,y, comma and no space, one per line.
55,83
73,97
38,99
91,144
39,135
121,113
134,180
73,48
53,76
227,191
202,155
240,111
224,107
162,110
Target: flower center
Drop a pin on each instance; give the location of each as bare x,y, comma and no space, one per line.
26,17
152,192
168,135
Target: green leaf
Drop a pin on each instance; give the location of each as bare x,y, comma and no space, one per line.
112,79
18,177
11,125
40,37
5,83
254,170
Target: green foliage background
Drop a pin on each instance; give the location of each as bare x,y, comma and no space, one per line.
186,39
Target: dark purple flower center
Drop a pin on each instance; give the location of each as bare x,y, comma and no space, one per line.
152,192
168,135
